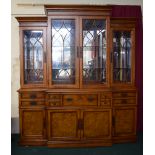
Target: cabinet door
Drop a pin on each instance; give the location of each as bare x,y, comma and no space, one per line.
63,125
97,124
124,121
33,56
32,122
94,51
64,64
123,64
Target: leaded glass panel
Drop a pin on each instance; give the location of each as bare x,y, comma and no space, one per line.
94,51
33,56
121,56
63,51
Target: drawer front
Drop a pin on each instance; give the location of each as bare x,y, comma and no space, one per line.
35,95
79,100
54,103
124,94
32,103
124,101
106,95
106,102
54,97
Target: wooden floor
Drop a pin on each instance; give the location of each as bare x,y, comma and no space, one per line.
116,149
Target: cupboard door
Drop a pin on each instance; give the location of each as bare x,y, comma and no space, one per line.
33,56
32,123
97,124
94,49
63,125
123,56
124,121
64,62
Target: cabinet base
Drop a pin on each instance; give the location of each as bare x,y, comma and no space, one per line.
124,139
61,144
64,144
35,142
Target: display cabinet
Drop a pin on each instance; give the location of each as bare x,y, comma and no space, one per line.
77,68
123,52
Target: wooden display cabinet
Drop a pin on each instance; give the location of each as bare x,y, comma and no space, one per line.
77,68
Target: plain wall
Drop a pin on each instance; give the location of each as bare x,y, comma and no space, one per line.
28,8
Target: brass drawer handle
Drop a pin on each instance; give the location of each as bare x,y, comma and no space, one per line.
90,99
69,99
54,103
33,103
33,96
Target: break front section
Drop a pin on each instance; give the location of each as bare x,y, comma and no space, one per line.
77,78
78,51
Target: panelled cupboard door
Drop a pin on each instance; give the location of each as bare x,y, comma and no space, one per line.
32,122
124,121
97,124
94,51
33,56
63,43
63,125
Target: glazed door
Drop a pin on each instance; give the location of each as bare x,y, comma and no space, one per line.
123,65
63,124
64,63
33,56
94,51
124,121
97,124
32,122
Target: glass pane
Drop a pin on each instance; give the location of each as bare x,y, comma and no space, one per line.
121,56
94,51
63,51
33,56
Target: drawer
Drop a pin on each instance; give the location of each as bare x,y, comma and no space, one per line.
35,95
106,102
79,100
32,103
54,97
54,103
106,95
124,94
124,101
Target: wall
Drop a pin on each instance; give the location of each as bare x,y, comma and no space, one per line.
28,8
